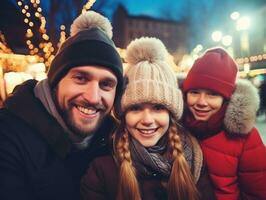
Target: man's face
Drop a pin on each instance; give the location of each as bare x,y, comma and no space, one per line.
85,95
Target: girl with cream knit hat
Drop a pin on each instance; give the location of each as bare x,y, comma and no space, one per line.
153,157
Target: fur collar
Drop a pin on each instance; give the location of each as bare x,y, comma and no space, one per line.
241,112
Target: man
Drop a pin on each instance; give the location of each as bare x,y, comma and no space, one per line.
51,130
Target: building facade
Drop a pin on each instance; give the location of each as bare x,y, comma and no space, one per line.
126,28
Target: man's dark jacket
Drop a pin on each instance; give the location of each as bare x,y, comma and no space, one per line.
37,159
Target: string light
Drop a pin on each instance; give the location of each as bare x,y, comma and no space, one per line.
44,50
29,32
88,5
3,45
62,35
251,59
16,62
31,24
46,46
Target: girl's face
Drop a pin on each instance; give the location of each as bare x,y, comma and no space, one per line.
147,122
203,103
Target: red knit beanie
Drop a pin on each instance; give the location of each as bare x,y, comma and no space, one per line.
215,71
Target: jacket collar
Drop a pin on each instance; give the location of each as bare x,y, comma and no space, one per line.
241,112
26,106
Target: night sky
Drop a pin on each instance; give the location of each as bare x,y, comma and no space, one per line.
204,16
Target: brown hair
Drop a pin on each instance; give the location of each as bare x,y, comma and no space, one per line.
180,184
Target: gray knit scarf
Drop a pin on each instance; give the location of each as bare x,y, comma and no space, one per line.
43,92
151,161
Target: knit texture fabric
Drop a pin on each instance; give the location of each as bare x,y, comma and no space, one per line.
215,70
90,43
150,79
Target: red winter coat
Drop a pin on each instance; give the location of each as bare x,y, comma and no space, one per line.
236,156
237,166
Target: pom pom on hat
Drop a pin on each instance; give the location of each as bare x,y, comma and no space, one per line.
146,49
91,20
150,78
89,44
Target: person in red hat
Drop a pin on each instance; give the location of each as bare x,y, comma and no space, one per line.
220,110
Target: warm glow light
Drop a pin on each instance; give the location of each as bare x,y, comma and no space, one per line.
28,42
246,59
62,27
217,36
235,15
88,5
45,37
198,48
243,23
29,33
35,50
45,48
227,40
246,68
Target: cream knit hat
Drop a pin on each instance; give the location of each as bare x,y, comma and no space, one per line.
149,78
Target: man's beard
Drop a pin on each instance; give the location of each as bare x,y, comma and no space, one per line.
81,131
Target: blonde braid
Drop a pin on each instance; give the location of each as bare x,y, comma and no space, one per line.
181,184
128,185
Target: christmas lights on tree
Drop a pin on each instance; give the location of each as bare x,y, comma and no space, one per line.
3,45
45,51
88,5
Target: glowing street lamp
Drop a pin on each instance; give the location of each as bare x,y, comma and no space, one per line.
227,40
235,15
216,36
243,23
198,48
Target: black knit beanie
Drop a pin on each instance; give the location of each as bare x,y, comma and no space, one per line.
90,43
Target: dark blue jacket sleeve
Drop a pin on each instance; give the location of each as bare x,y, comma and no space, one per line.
12,177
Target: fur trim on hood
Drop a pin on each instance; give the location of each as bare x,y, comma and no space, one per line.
243,105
